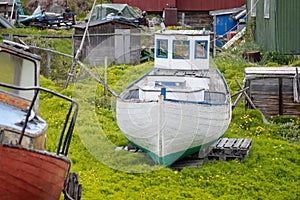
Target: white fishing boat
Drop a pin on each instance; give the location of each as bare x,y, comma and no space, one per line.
179,107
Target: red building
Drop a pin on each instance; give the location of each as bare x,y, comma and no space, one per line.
196,12
183,5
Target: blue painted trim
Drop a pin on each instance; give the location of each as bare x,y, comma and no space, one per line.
158,41
178,58
205,49
163,92
196,102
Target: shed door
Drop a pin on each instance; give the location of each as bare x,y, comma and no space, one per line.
122,46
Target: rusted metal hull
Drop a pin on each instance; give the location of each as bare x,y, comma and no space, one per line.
28,174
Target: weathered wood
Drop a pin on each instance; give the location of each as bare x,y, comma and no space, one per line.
32,175
239,92
246,95
246,143
229,143
221,143
272,90
238,99
237,143
14,101
232,149
252,56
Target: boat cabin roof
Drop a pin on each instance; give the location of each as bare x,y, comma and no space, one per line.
182,32
182,49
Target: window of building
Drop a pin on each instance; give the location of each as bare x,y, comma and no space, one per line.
162,48
267,8
181,49
201,48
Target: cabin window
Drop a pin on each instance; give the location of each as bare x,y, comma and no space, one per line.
181,49
201,49
18,71
253,8
267,8
162,48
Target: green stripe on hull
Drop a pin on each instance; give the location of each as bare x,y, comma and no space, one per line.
168,160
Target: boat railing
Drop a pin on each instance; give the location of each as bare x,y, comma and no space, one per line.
69,123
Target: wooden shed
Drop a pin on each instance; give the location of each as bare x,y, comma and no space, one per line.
274,90
116,40
276,24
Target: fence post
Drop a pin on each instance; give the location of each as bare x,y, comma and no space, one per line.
47,73
105,75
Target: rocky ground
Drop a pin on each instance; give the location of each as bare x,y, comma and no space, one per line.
57,6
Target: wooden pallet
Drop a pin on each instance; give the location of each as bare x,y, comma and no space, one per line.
230,148
224,149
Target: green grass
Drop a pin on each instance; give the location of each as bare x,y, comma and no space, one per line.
271,170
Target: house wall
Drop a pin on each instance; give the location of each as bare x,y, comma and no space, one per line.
279,32
196,11
288,26
264,27
205,5
105,41
200,19
149,6
183,5
273,96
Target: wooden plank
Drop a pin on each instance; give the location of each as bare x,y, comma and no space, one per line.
215,144
229,143
222,142
246,143
238,143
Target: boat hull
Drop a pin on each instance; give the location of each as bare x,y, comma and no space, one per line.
29,174
168,130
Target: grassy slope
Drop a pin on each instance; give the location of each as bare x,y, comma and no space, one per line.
271,170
